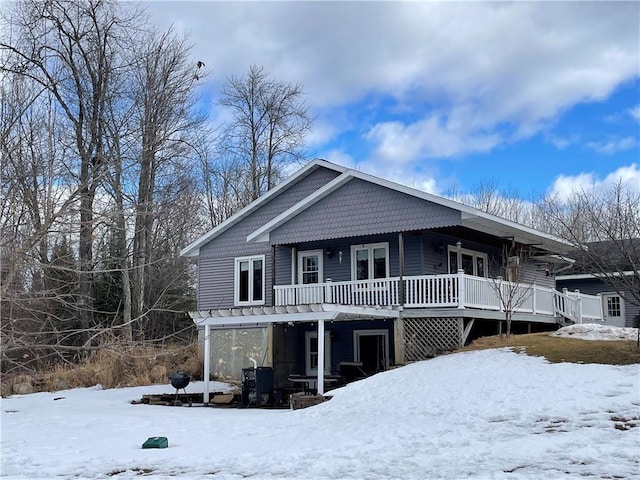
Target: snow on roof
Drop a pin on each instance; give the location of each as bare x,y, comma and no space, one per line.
594,331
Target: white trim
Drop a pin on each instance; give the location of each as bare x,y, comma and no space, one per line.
370,247
366,333
236,280
193,249
310,253
246,318
262,234
583,276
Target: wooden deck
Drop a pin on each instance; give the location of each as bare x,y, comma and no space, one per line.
437,295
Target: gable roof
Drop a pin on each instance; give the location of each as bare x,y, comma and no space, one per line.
193,248
469,217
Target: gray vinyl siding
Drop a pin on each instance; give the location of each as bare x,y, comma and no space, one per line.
532,274
422,255
283,266
360,208
215,282
216,258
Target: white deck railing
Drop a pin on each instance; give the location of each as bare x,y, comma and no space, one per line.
441,291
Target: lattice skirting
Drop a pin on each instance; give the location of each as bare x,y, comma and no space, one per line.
426,337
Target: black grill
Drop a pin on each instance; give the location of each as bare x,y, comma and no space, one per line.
179,380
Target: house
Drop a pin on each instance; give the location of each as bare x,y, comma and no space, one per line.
337,273
614,278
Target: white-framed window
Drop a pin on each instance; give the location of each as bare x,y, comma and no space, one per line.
249,275
369,261
310,267
311,352
471,261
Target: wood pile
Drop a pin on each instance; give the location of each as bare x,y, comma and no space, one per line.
302,400
180,399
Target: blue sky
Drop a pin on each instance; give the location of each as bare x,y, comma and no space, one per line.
538,97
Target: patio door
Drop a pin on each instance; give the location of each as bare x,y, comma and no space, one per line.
613,306
371,348
310,273
311,353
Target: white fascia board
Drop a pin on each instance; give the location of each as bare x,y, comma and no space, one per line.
193,248
583,276
521,233
262,234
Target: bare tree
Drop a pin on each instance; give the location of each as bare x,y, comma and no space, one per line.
510,291
489,197
605,227
164,96
94,109
69,49
270,121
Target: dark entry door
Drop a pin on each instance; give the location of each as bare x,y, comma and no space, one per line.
372,353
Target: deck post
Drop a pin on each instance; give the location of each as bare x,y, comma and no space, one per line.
320,357
602,310
207,364
535,299
401,261
461,289
578,306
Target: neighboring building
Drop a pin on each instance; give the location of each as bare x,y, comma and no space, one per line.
383,273
619,306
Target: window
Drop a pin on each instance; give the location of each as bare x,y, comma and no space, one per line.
472,262
249,280
614,307
311,350
370,261
310,267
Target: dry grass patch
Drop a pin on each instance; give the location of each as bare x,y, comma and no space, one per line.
560,349
113,368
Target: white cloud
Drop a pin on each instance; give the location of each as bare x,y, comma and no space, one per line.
565,185
525,60
471,76
433,136
339,157
613,145
635,112
562,142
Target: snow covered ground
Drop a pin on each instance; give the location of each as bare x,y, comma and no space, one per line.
593,331
483,414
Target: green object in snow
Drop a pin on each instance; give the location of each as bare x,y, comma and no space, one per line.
156,442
